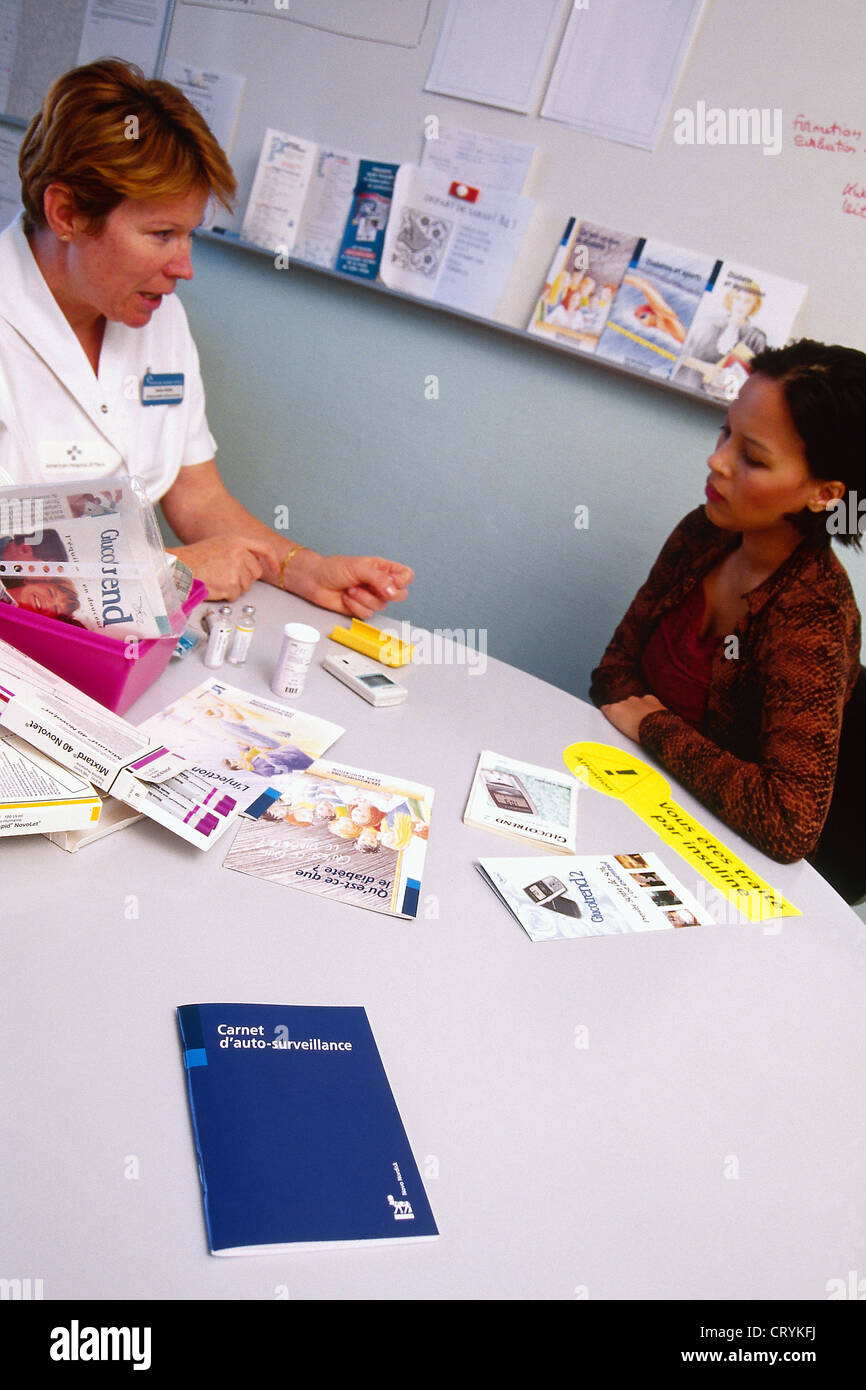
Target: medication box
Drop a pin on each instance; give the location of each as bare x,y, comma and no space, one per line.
103,667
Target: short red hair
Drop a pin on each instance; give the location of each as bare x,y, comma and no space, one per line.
110,133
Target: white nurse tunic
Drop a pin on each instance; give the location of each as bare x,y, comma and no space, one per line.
58,421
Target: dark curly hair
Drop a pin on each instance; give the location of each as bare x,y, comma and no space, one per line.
825,390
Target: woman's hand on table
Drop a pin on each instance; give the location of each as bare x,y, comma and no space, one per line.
626,715
243,549
356,585
228,564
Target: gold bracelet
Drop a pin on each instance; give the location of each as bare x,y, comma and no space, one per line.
291,555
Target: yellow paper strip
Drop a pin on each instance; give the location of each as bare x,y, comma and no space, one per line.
618,773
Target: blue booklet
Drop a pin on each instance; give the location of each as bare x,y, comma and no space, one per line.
299,1139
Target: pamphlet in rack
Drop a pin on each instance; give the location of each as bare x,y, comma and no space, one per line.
360,250
654,307
450,242
301,198
742,312
581,284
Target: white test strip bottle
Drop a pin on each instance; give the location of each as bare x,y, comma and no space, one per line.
295,659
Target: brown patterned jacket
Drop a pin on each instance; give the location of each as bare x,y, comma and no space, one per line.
764,756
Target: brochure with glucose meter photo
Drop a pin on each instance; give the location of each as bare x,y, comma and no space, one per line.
340,832
523,801
592,895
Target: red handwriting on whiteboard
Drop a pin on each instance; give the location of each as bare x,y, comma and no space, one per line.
854,199
835,137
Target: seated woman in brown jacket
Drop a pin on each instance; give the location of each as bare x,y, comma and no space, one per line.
735,660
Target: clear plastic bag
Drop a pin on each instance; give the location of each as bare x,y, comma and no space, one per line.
90,554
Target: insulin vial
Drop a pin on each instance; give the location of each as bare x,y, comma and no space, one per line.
242,636
219,632
295,659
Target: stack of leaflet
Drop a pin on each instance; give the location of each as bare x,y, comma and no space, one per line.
669,313
76,771
59,748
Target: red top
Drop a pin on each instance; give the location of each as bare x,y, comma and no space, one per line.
677,661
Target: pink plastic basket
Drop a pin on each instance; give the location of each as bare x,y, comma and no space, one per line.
96,664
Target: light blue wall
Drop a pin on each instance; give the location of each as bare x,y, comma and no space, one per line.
316,395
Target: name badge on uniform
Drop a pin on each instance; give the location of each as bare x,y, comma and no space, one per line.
162,388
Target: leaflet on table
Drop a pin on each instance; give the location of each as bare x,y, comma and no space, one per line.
581,284
73,729
481,160
364,234
450,242
298,1136
301,198
37,795
342,833
95,558
523,801
236,734
742,312
592,895
655,306
195,804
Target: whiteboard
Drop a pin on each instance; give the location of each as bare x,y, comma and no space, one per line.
800,213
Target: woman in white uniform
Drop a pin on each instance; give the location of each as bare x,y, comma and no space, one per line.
98,371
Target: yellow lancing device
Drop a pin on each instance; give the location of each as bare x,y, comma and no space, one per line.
371,641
